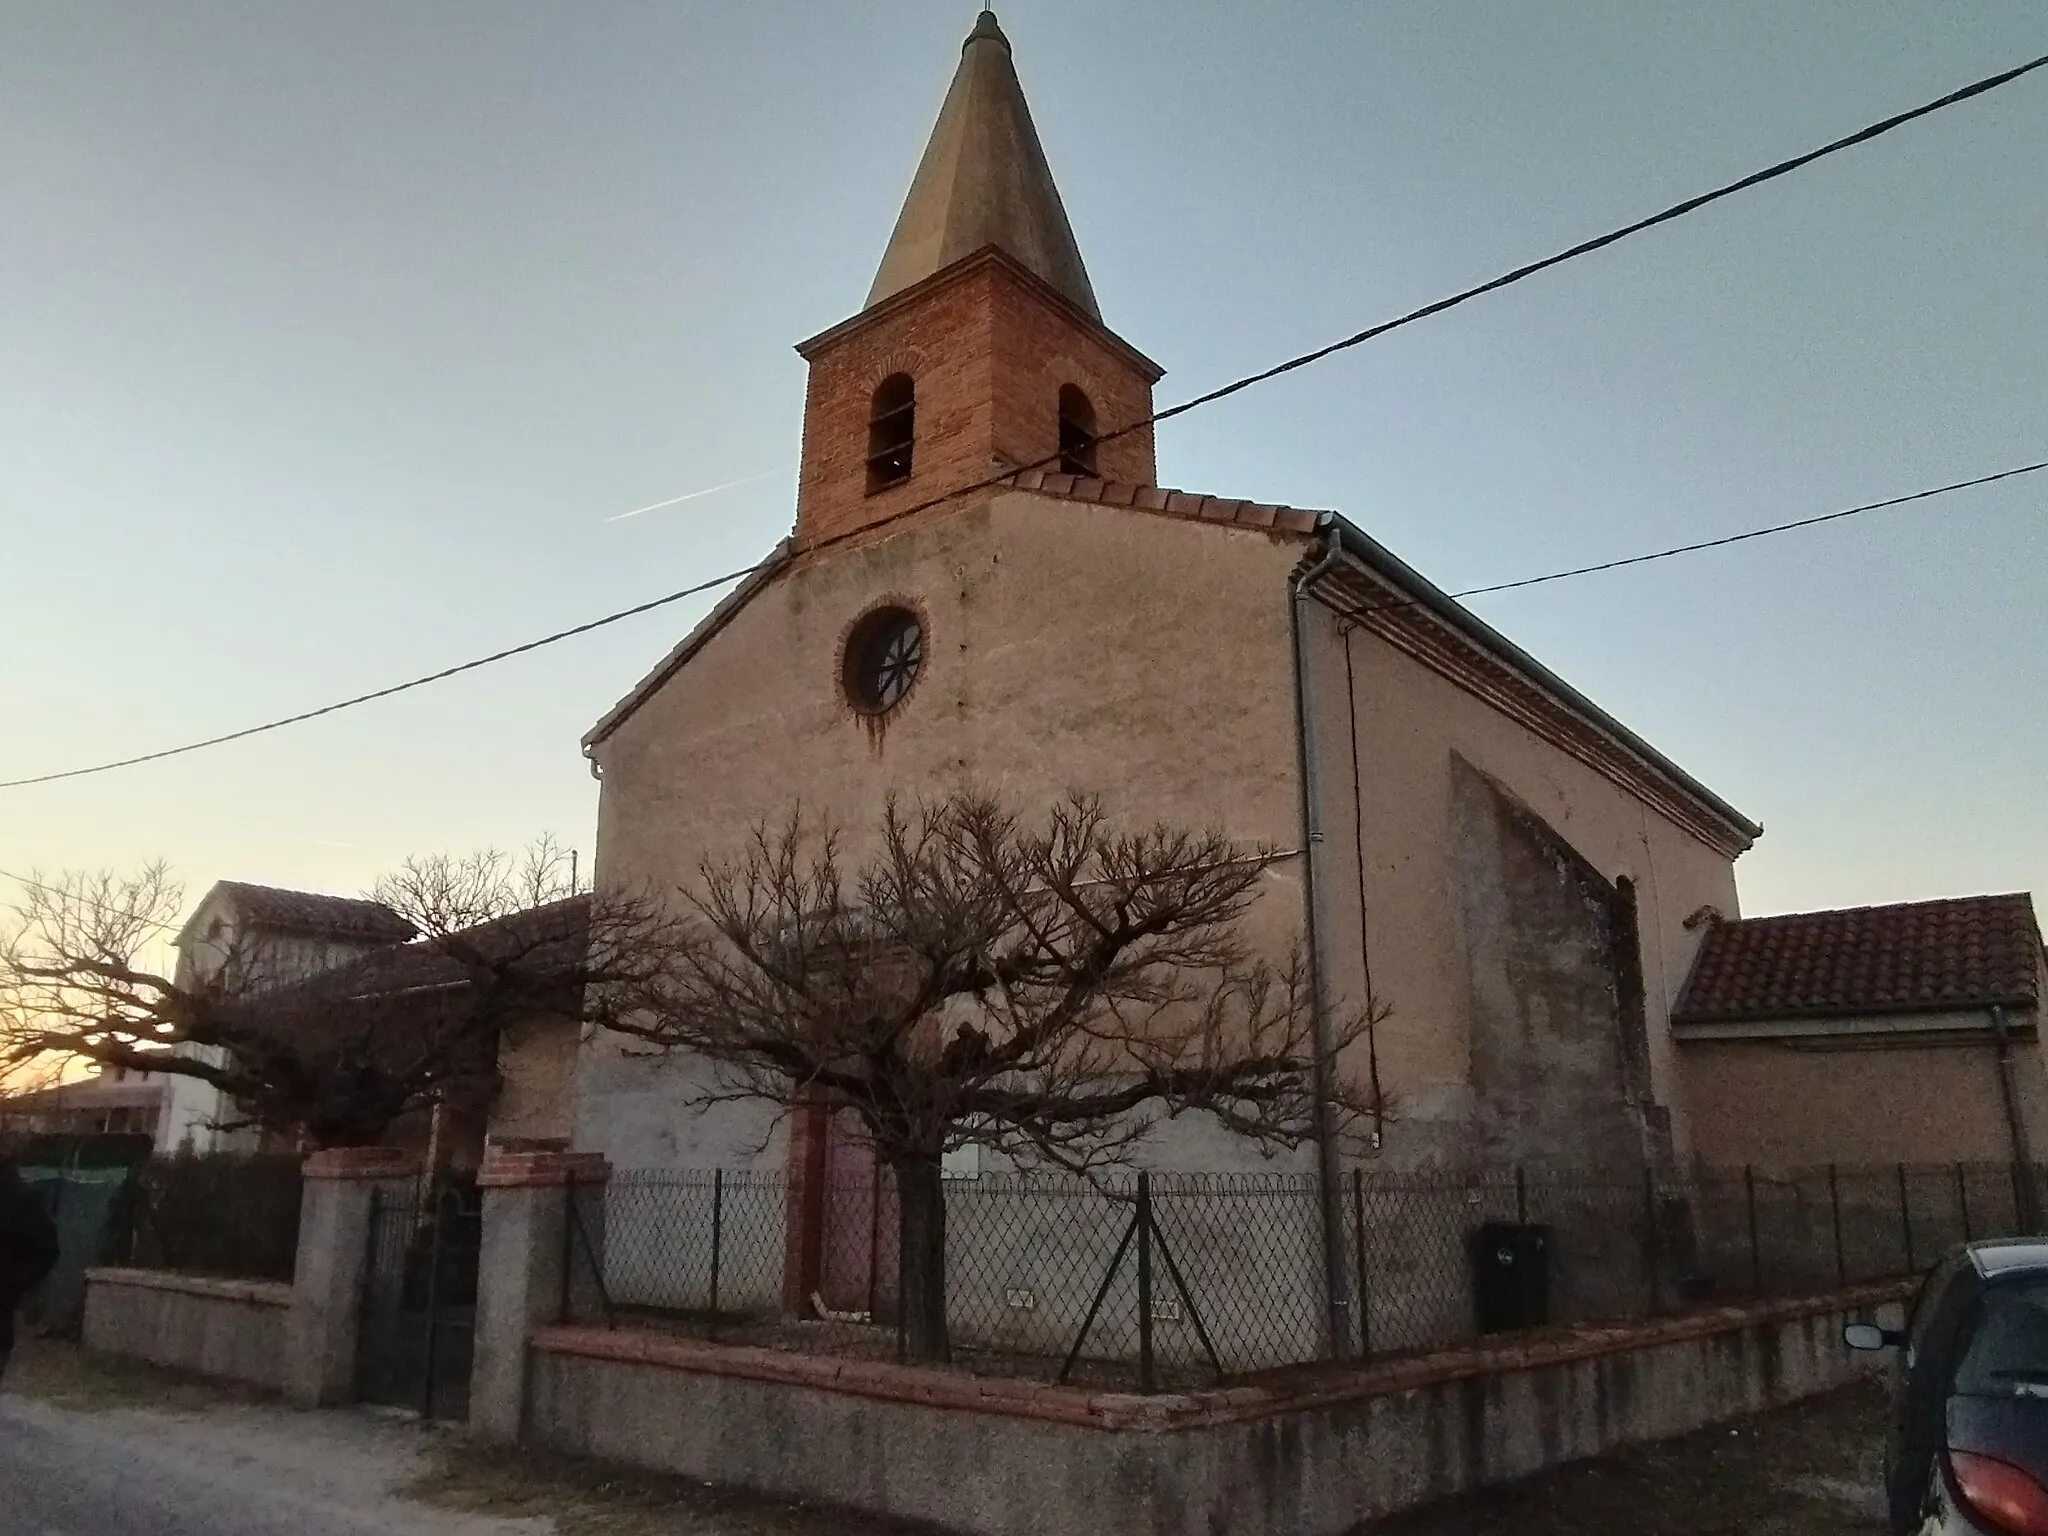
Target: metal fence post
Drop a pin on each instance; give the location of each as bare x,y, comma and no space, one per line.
565,1308
1146,1383
1963,1200
1650,1244
1906,1219
1835,1213
437,1203
874,1236
717,1230
1756,1256
1358,1239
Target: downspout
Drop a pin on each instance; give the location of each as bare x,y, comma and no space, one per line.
2026,1186
1336,1286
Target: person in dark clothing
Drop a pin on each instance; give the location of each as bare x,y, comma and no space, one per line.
28,1249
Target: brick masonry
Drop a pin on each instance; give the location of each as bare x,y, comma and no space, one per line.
988,346
363,1163
541,1170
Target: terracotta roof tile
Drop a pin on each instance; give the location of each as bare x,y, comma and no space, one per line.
1932,955
1155,498
313,912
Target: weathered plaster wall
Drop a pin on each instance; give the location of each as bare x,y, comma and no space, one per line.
231,1330
1003,1458
1859,1103
536,1075
1409,723
1556,1063
1069,647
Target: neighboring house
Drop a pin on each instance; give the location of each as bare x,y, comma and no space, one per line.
113,1101
512,1081
1468,838
1876,1035
268,937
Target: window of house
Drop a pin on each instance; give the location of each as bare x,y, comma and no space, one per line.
892,432
884,654
1077,432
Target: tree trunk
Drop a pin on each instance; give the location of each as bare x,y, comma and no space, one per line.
921,1267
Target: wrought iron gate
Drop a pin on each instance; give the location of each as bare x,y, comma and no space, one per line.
418,1328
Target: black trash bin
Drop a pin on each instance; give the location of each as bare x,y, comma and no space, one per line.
1511,1275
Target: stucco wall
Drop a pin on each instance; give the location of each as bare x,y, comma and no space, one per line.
1069,647
1019,1459
231,1330
1409,722
1793,1105
536,1071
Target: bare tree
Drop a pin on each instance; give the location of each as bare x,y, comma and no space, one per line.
1048,992
443,893
338,1057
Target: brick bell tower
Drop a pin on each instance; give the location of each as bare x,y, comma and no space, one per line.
980,349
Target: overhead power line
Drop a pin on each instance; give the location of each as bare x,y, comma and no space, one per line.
626,613
1754,533
99,906
1290,365
385,693
1506,279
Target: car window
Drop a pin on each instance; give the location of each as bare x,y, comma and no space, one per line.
2007,1352
1926,1304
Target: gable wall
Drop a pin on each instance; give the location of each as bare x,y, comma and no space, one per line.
1411,724
1068,647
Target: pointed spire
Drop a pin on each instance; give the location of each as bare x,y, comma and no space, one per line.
984,181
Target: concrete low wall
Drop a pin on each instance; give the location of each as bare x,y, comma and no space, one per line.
232,1330
1310,1452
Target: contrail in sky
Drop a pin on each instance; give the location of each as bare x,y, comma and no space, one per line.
709,490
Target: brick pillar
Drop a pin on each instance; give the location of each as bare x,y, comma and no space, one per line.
334,1246
521,1280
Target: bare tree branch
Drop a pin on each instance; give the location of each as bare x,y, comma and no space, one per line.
1049,992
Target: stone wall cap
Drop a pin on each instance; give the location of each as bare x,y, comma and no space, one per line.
1290,1390
363,1163
537,1170
263,1293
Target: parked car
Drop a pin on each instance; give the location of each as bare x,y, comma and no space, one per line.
1966,1450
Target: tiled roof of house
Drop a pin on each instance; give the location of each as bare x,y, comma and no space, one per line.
313,912
1913,956
538,941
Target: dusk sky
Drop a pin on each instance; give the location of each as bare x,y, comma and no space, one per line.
333,338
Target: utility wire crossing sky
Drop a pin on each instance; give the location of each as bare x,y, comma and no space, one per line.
1516,275
730,576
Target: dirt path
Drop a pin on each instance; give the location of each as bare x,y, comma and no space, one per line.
89,1448
95,1448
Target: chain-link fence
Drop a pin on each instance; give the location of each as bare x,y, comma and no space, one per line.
225,1215
1171,1278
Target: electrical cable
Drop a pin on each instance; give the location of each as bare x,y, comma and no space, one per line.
1303,360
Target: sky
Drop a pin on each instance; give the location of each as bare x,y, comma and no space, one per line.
334,340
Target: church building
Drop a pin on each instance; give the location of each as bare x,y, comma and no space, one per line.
987,585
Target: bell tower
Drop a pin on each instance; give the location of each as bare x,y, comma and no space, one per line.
980,349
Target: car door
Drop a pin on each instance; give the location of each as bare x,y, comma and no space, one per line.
1997,1401
1914,1435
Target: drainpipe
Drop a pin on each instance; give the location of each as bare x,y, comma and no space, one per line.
1336,1288
2027,1186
